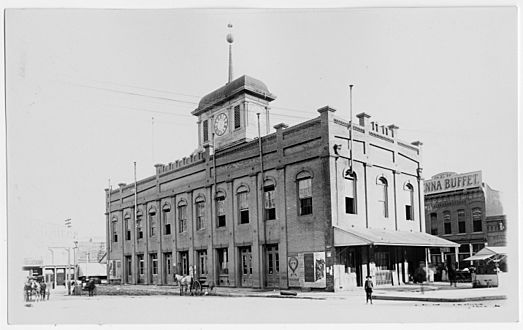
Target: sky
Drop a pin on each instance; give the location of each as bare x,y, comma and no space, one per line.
88,92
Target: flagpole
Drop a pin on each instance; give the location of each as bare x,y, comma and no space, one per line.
135,270
350,130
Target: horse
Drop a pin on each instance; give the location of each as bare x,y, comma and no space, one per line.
27,291
35,291
184,282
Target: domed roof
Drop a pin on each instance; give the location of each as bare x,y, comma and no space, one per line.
244,84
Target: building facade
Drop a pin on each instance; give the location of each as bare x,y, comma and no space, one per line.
463,209
302,207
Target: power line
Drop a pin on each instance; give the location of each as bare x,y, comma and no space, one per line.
134,94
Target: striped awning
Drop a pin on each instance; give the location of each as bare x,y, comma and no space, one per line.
372,236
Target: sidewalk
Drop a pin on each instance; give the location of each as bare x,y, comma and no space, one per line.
434,292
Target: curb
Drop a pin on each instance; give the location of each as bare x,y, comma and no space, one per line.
484,298
266,296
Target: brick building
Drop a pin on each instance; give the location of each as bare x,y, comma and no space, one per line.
281,211
463,209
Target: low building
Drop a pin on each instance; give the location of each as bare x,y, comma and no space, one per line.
463,209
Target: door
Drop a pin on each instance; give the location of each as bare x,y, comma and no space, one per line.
272,266
246,266
128,269
167,267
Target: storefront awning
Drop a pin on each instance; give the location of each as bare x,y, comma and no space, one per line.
371,236
488,252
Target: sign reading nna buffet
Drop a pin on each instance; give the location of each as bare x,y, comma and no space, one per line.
452,182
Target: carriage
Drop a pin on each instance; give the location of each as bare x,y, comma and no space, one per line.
193,285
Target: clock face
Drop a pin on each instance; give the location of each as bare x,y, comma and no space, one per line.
220,124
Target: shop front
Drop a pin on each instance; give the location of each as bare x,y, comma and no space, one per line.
391,257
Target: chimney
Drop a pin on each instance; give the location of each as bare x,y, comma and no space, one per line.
364,118
393,129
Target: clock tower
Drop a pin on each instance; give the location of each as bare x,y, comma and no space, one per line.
230,112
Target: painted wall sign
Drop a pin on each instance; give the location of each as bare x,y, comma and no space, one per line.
441,183
115,269
307,270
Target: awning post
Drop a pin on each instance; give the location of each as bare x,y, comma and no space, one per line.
427,264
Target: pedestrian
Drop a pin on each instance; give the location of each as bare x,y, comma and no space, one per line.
453,274
368,289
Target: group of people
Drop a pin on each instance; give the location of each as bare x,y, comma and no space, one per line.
35,290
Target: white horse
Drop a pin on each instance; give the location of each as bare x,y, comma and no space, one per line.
184,281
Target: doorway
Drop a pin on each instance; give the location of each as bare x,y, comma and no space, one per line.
246,266
272,266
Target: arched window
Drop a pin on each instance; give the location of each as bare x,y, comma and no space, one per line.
127,218
139,229
152,221
268,199
477,216
182,216
220,209
166,208
383,196
409,206
200,212
243,203
304,180
350,191
114,229
446,222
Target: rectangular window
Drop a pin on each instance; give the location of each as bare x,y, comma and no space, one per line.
243,204
205,131
476,220
202,262
200,211
220,210
408,212
182,218
167,229
305,196
433,223
223,259
461,221
270,205
115,232
154,263
447,224
237,122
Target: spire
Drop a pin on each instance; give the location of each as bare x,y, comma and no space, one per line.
230,40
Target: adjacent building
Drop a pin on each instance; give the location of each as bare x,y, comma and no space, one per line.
317,205
463,209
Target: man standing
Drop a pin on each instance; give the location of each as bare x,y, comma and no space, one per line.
368,288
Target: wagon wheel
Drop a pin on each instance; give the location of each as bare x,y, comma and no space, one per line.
197,287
